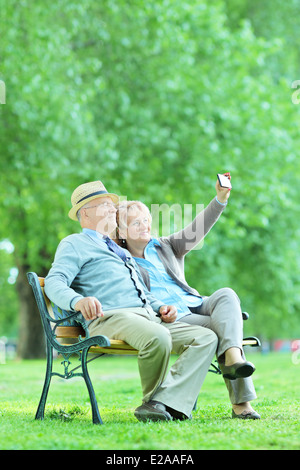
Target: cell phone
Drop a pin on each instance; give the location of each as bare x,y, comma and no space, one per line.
224,181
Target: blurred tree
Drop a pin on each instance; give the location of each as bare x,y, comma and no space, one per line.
154,99
9,301
45,144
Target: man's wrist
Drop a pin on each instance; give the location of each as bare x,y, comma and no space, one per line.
74,301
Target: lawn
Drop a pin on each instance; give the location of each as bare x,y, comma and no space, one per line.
68,425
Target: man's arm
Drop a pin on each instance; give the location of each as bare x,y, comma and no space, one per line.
64,269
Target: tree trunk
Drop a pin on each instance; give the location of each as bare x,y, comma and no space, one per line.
31,341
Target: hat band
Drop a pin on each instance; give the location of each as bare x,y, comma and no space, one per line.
92,194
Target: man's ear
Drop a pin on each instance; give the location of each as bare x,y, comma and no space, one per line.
122,234
84,213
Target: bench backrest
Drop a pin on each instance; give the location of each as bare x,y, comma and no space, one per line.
53,318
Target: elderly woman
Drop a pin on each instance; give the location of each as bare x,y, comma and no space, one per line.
161,262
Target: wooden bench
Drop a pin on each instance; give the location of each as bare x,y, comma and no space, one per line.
75,339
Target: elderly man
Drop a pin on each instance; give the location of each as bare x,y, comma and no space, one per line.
93,275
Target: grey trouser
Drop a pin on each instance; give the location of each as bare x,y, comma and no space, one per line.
221,312
196,346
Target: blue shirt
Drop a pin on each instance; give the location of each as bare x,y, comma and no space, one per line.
163,287
84,266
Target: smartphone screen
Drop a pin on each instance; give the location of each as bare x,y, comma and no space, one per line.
224,181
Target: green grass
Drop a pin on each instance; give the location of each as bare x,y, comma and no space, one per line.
68,425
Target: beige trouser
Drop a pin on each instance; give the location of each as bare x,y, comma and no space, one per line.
155,340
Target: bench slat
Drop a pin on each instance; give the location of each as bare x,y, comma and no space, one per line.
69,331
128,350
117,346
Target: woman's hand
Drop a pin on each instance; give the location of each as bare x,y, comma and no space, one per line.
223,193
168,313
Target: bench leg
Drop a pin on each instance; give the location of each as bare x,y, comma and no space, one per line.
95,411
41,408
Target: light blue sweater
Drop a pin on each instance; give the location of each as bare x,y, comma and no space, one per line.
84,266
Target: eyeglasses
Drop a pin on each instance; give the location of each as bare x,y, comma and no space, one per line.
106,205
137,223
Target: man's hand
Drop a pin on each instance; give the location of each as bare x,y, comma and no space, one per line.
90,307
223,193
168,313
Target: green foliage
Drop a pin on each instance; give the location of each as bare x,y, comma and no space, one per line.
154,98
9,300
68,421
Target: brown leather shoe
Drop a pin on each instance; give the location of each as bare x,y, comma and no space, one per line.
152,411
238,370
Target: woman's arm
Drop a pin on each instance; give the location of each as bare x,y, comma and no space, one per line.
185,240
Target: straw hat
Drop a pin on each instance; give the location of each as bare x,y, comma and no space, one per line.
87,192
